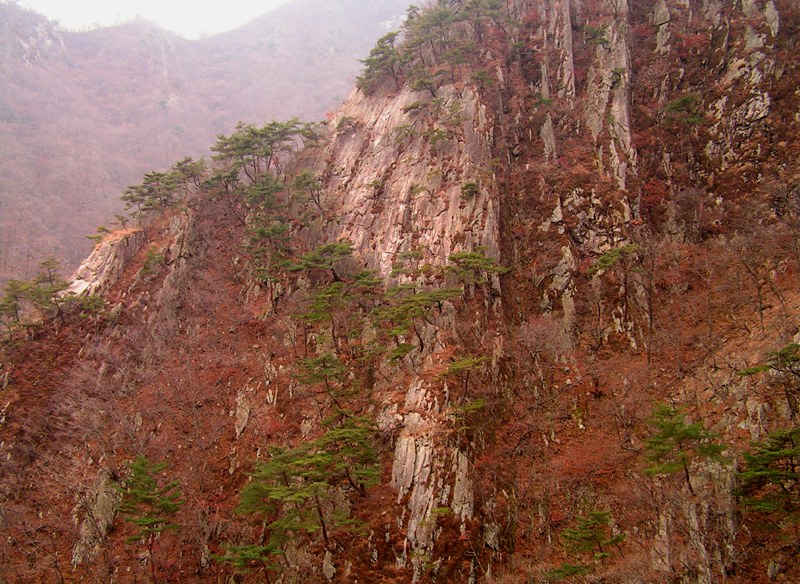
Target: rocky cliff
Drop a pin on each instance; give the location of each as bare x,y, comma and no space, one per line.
516,314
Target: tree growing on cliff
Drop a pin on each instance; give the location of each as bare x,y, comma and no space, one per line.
383,60
148,507
771,477
256,151
47,287
323,258
676,444
590,539
291,491
462,369
189,172
475,267
23,302
306,182
405,310
327,370
156,192
11,306
592,535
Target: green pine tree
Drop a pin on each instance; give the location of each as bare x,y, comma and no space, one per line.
290,491
326,302
475,267
676,444
592,537
12,304
148,507
307,183
771,476
326,369
325,257
383,60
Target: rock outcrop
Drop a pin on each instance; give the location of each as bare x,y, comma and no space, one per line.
106,262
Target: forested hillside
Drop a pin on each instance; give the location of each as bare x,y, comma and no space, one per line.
524,310
84,115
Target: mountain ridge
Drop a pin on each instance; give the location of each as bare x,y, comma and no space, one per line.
515,314
130,99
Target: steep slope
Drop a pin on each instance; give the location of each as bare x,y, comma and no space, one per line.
84,115
431,344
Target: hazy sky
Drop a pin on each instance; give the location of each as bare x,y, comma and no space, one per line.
189,18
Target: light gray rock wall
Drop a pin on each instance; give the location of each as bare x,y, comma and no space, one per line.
106,262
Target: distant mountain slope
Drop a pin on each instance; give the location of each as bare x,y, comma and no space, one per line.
83,115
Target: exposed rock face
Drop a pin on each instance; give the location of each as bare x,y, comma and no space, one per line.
556,17
242,412
99,506
608,93
106,263
29,37
396,164
429,481
395,171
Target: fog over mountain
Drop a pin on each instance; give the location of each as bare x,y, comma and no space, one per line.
83,115
178,16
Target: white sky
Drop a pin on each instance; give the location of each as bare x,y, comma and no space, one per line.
188,18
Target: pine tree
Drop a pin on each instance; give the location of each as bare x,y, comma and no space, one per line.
771,477
22,299
11,306
327,369
244,556
676,443
592,536
289,492
325,257
326,302
47,287
475,267
189,172
350,444
148,506
384,59
306,182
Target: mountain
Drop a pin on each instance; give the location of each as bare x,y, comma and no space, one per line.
86,114
524,310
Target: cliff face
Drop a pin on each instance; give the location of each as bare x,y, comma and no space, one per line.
394,173
549,218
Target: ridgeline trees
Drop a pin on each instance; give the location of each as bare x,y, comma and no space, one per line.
257,151
384,59
161,190
252,154
156,192
446,33
25,303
